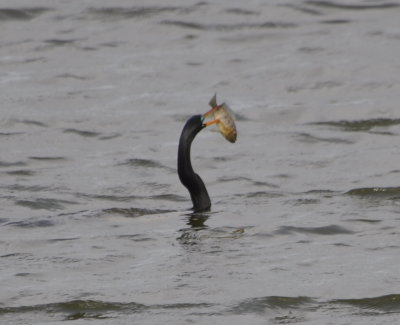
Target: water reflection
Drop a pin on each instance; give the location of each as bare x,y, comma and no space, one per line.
197,220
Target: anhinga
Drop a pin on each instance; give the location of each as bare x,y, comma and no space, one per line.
191,180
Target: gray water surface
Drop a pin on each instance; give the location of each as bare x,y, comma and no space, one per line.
94,224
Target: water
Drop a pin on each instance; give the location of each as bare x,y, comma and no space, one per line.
304,223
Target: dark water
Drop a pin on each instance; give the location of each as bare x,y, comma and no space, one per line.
94,224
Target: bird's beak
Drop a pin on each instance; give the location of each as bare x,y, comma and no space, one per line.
211,122
210,112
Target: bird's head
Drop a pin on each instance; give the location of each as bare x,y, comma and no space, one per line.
193,126
223,117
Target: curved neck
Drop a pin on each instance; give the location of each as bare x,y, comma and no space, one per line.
192,181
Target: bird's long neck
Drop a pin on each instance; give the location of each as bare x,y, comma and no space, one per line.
192,181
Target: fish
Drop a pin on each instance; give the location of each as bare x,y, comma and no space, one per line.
224,118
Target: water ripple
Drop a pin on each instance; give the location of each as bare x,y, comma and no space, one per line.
167,197
48,158
387,303
146,163
45,204
227,27
260,194
33,122
309,138
135,212
89,309
21,172
83,133
138,162
128,13
22,13
8,134
241,11
55,42
289,309
360,125
31,223
324,230
261,304
12,164
24,188
390,193
114,198
199,232
335,5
